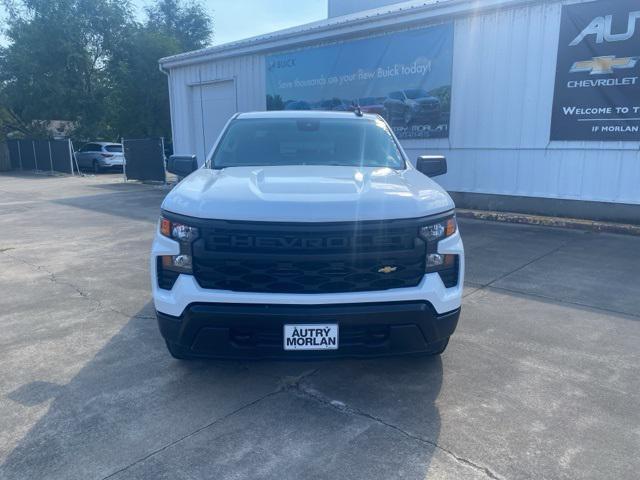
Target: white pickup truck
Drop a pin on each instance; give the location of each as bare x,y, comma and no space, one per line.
307,234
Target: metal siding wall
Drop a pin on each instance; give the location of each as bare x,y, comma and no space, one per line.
249,75
503,83
504,72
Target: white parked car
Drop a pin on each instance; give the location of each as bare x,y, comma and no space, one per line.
99,156
307,234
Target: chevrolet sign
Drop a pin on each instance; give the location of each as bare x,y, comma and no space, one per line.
604,65
598,72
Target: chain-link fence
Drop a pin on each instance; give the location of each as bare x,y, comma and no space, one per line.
41,155
144,158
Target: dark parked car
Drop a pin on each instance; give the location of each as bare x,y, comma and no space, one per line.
412,106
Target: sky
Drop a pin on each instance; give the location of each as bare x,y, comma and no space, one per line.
238,19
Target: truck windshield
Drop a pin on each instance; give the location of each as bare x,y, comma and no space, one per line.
357,142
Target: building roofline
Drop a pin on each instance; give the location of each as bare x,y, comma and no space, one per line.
379,19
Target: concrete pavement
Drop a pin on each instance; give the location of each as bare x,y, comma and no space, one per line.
540,381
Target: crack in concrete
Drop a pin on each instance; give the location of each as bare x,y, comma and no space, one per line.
314,395
288,383
483,287
491,286
295,382
54,278
563,302
195,432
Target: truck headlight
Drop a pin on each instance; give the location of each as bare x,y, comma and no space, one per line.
178,231
177,263
185,235
437,231
439,261
433,233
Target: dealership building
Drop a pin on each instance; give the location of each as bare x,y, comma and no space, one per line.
535,103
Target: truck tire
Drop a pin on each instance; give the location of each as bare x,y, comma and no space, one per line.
178,352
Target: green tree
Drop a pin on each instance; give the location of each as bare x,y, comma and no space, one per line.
186,22
12,125
53,67
90,62
139,100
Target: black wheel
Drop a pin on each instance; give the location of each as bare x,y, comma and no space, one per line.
96,167
439,347
178,352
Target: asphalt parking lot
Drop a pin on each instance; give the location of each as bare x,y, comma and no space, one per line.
540,381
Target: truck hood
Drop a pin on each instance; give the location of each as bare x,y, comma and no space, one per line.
307,194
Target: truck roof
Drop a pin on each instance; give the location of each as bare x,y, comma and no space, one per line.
305,114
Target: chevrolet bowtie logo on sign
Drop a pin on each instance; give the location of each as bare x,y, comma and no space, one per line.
387,269
604,65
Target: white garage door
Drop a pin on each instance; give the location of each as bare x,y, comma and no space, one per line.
213,104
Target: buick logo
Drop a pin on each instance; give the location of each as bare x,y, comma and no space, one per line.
282,63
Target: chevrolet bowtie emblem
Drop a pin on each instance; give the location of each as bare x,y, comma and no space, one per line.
387,269
604,65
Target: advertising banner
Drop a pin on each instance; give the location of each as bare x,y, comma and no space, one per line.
405,77
597,93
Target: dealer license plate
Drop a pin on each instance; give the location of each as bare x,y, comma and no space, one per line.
311,337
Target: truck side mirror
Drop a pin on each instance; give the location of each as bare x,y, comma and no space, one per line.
432,165
182,165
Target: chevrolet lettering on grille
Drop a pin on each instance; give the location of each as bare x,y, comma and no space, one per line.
301,243
310,259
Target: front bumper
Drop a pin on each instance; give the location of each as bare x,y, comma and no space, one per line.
240,331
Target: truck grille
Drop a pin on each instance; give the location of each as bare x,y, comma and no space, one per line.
309,258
